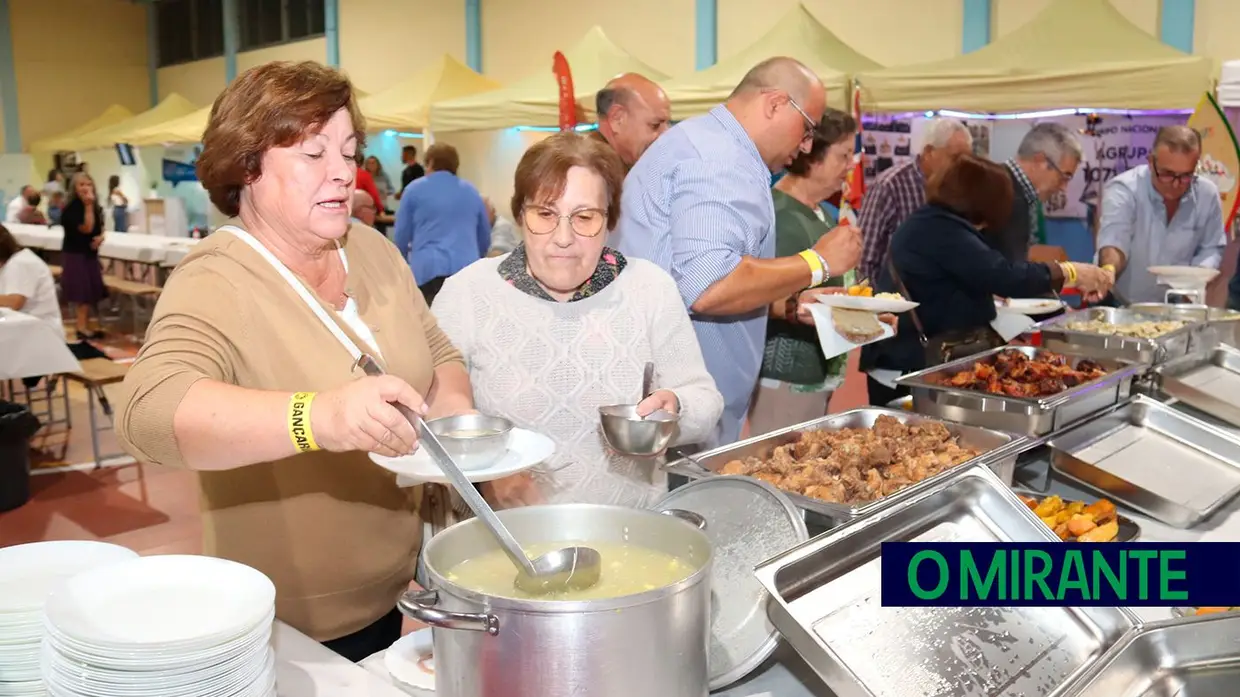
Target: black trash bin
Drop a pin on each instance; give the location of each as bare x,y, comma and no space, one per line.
17,425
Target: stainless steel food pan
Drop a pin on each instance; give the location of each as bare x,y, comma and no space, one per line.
986,440
1208,381
825,601
1056,336
1187,657
1221,326
1154,459
1031,417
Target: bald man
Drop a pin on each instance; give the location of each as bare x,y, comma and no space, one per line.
632,112
698,204
364,208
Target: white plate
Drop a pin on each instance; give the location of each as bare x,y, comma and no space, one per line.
525,449
1183,277
160,604
857,302
410,660
1030,306
28,572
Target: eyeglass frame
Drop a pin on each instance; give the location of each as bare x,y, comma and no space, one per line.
1176,178
560,218
811,126
1064,177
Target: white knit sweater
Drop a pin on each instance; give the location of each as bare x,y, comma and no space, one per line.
549,366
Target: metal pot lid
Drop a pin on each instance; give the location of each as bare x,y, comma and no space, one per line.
748,522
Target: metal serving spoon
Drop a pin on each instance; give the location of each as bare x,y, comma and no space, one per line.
562,569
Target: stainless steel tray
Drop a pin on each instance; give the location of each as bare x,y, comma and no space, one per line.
1031,417
1208,381
1154,459
1190,657
1057,337
988,441
1221,326
1129,531
825,602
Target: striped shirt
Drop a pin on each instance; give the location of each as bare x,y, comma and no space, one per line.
897,193
696,203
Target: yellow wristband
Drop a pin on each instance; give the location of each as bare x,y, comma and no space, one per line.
815,266
299,422
1109,267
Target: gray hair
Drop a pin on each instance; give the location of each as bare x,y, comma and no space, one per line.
608,97
938,131
1051,140
1180,139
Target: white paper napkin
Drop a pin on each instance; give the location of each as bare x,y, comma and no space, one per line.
832,343
886,378
1010,324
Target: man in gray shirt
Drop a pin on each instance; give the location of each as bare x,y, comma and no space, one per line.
1160,214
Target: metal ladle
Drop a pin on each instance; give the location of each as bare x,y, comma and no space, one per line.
562,569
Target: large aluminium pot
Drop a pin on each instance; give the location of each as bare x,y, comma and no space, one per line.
652,643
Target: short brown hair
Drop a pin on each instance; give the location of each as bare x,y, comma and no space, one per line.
977,189
8,245
1181,139
543,171
835,126
269,106
442,157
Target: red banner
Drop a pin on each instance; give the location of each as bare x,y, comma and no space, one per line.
854,185
568,104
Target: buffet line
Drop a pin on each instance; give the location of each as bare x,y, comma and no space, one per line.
1130,419
1101,425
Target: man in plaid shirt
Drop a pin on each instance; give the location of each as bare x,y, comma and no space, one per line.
902,190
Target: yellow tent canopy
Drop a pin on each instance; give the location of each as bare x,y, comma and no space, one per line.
182,129
174,105
1075,53
535,100
797,35
406,105
110,117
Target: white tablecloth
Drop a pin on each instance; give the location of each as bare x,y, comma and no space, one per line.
30,347
305,668
127,246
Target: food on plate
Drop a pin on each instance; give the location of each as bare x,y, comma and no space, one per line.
628,569
889,296
1014,374
864,291
1137,330
1077,521
1213,610
857,326
857,465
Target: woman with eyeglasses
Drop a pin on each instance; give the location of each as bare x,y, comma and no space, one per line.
564,324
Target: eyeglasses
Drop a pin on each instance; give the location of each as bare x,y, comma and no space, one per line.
586,222
1178,178
810,125
1064,176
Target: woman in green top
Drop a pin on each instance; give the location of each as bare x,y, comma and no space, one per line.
796,382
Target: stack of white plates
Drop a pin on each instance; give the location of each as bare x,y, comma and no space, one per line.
165,626
27,574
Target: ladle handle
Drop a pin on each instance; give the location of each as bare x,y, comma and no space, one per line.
463,486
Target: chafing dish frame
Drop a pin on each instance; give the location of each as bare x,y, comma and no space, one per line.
1200,437
970,492
1023,416
1171,379
1057,337
999,452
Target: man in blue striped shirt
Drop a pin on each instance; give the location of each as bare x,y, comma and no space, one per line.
698,203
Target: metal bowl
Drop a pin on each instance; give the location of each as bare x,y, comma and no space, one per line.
474,441
629,434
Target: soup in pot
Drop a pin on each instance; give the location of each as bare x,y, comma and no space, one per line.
628,569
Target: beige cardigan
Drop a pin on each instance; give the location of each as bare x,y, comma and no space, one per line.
332,530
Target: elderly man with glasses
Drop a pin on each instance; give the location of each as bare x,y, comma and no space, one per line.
1160,214
698,204
1045,162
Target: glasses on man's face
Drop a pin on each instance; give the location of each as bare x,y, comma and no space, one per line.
1064,177
810,125
1177,178
586,222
